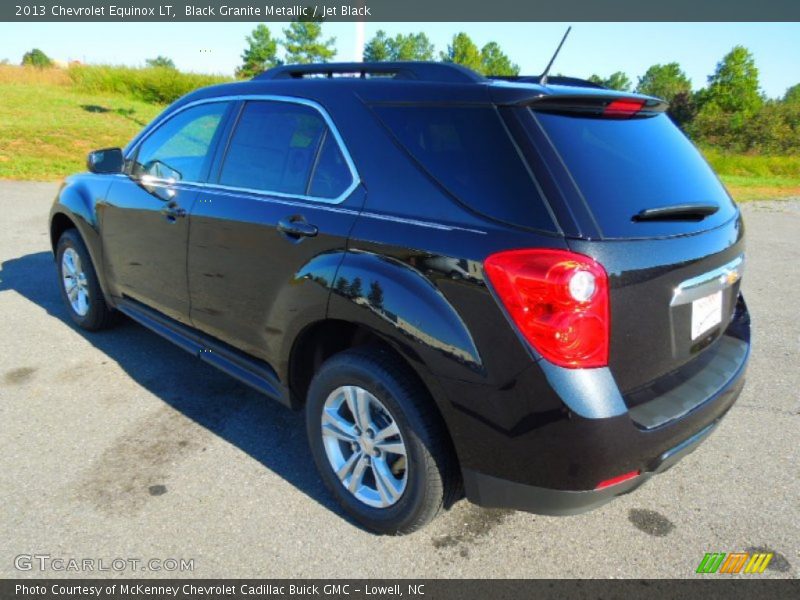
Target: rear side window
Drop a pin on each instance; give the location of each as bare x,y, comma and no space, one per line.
274,147
469,152
624,166
331,175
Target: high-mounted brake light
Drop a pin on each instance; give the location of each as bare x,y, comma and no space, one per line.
559,302
624,107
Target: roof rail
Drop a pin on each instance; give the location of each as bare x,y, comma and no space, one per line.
552,80
419,71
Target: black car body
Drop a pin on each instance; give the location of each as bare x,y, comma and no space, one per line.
388,216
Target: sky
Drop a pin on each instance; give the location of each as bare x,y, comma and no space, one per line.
600,48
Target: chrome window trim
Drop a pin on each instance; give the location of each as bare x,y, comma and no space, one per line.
215,189
348,159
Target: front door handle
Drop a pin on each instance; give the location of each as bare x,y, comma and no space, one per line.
172,211
297,227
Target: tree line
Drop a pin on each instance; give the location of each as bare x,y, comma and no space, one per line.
730,112
303,43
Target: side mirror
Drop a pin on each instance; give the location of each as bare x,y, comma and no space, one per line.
108,160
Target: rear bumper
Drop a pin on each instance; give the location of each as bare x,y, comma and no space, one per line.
489,491
543,450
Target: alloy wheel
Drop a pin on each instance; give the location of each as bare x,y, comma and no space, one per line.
74,280
364,446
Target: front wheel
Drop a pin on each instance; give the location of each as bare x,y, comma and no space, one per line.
378,441
80,289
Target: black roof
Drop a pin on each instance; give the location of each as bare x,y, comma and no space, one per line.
407,70
401,81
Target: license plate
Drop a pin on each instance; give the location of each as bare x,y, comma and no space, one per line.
706,313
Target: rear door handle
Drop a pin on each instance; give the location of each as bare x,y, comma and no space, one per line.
297,227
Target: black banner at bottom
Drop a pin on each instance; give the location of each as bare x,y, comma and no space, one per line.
709,588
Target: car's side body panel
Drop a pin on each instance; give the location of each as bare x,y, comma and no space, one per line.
78,200
281,284
144,250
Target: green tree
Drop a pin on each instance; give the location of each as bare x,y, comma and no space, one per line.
734,87
727,107
411,46
261,53
616,81
670,83
683,108
490,60
463,51
774,129
792,95
377,48
36,58
495,62
160,62
664,81
304,44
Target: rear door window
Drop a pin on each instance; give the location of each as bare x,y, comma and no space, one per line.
273,148
622,167
470,153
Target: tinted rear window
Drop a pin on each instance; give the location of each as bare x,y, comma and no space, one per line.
273,148
331,175
469,152
624,166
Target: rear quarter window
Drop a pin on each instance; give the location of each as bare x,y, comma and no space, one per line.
470,153
624,166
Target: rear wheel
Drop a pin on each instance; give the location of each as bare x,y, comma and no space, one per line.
80,289
378,441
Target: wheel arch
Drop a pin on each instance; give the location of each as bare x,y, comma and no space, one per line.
75,208
325,338
322,339
59,223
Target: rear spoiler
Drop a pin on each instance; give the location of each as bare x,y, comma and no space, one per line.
597,105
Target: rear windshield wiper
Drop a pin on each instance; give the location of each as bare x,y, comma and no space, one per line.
677,212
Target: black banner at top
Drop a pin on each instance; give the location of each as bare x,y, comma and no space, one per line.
398,10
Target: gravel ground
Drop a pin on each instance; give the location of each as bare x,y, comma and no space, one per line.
119,445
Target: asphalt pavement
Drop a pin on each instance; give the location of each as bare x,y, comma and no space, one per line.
118,445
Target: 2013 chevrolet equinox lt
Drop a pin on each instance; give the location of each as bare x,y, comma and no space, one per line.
525,293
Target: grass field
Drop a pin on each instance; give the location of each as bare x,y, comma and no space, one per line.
51,118
46,131
757,177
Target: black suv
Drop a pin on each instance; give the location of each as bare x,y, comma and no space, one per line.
525,293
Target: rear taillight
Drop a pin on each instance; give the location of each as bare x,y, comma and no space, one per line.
558,301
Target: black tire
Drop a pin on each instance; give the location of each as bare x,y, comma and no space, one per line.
99,315
433,477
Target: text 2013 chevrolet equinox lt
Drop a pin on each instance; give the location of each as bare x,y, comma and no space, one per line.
524,293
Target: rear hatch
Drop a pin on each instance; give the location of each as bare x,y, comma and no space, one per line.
633,193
